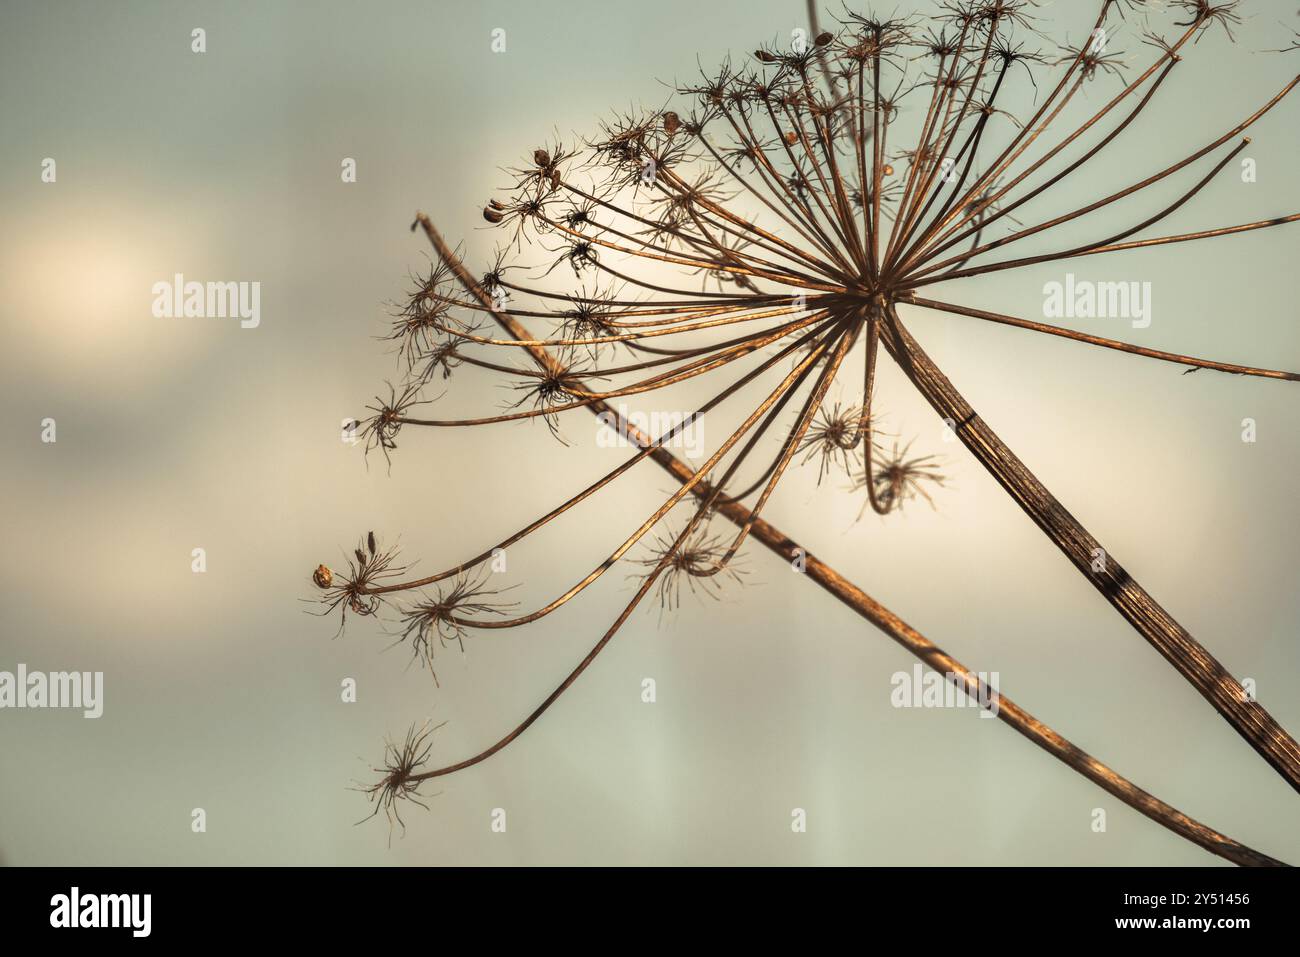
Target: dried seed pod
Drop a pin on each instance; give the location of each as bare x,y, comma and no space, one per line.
491,215
542,158
370,542
672,123
496,204
764,57
824,38
555,179
322,576
361,556
792,137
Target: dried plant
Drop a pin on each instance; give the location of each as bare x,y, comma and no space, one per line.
380,430
769,191
834,438
701,563
442,618
900,479
361,590
400,780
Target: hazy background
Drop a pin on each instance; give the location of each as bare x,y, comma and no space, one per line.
174,434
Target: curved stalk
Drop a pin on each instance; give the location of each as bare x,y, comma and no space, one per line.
1191,659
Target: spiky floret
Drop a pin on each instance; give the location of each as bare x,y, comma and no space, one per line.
446,617
899,479
398,780
369,568
380,430
700,564
835,439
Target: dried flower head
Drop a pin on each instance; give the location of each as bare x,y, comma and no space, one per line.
900,479
835,438
1201,14
552,389
449,615
380,430
362,590
399,781
702,563
754,238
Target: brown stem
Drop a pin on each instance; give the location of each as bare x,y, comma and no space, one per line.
1179,648
1051,330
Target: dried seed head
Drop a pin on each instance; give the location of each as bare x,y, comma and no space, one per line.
370,542
398,781
836,437
701,563
355,590
558,385
380,430
899,479
448,615
812,106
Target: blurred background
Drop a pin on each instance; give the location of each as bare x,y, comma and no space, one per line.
222,693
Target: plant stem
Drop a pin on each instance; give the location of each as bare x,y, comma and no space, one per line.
1178,647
